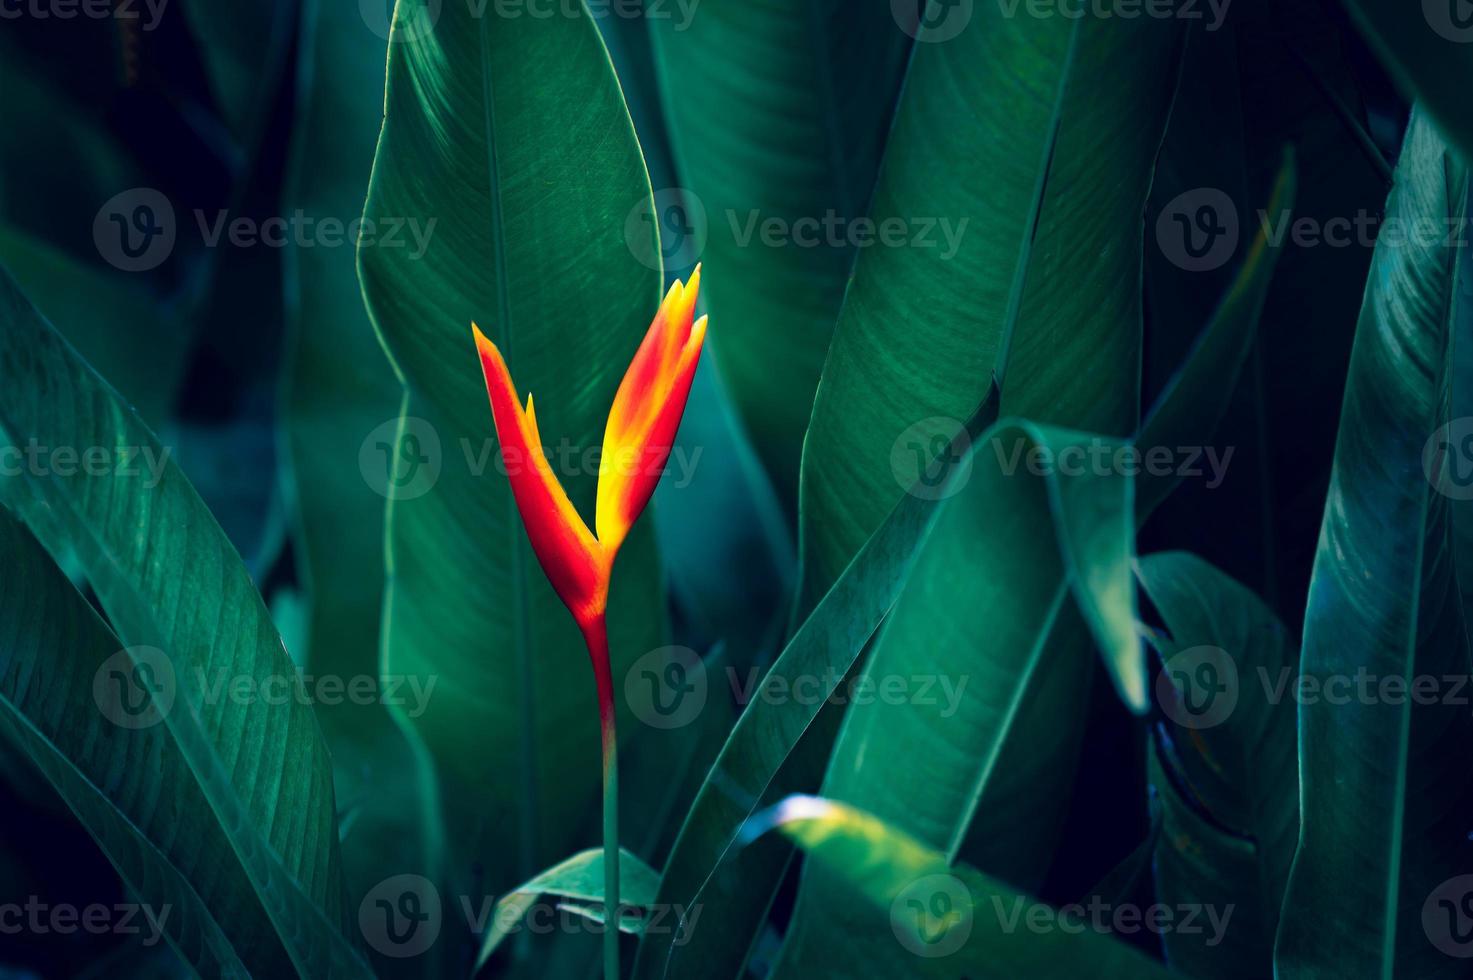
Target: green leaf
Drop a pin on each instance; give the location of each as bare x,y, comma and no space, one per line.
1067,161
934,760
156,828
528,174
1227,774
581,879
1426,47
949,920
1384,801
778,112
167,578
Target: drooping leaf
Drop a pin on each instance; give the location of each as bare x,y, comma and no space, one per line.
1384,801
948,919
1223,763
580,880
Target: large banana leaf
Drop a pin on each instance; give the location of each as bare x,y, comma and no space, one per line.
511,135
167,578
1384,801
1226,776
778,111
923,762
1008,127
949,920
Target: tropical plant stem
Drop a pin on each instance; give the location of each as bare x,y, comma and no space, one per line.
596,634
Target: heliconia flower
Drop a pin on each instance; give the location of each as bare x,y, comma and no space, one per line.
637,439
